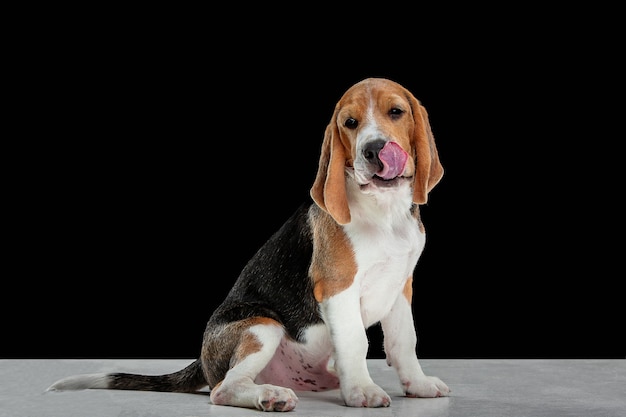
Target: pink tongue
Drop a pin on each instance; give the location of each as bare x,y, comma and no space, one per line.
394,159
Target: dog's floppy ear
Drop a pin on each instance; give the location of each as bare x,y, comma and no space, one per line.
428,171
329,188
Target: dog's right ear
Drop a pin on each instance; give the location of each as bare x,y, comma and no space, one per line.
329,188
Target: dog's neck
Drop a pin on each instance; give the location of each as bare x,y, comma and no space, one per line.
389,205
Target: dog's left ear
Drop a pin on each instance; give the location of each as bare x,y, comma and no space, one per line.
428,171
329,188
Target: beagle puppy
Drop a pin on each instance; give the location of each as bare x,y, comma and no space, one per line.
297,315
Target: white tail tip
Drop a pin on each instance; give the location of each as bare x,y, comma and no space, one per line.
79,382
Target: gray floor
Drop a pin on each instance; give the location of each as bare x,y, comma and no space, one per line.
479,388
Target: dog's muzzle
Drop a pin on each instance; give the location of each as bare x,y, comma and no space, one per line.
385,159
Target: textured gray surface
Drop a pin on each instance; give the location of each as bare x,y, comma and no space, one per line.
482,388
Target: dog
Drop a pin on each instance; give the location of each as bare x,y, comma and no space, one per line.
297,315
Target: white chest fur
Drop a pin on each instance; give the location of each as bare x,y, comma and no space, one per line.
387,243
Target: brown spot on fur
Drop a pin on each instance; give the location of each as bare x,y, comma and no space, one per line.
249,343
333,266
415,212
225,346
408,289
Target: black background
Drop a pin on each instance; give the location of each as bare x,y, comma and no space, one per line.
150,164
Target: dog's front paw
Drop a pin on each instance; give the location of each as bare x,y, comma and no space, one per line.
366,396
425,387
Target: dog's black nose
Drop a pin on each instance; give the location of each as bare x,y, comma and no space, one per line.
370,152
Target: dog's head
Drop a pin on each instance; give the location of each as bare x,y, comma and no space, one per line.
380,134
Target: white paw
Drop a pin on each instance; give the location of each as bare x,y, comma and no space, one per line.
425,387
244,393
366,396
273,398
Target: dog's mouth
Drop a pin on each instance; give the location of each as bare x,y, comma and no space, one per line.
391,160
384,166
380,182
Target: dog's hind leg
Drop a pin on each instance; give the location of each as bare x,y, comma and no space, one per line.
233,354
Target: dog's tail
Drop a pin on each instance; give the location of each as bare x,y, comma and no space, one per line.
189,379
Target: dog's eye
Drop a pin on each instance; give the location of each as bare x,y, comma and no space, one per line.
395,113
351,123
